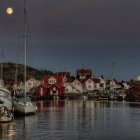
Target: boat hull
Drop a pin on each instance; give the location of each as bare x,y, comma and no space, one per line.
25,109
5,119
5,99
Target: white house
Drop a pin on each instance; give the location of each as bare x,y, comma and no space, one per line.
102,84
89,85
19,88
126,86
96,83
77,86
114,84
31,83
68,88
137,78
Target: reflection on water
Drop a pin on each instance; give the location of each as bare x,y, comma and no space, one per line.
77,120
6,130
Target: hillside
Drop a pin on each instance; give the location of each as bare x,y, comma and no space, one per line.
9,70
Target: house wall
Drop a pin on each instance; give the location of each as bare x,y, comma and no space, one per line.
78,88
54,90
38,91
89,85
68,89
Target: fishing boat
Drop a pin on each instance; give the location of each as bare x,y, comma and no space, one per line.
23,105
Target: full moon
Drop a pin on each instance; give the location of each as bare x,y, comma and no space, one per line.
9,10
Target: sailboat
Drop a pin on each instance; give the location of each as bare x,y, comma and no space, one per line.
25,106
5,95
5,99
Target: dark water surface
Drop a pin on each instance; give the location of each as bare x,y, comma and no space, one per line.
76,120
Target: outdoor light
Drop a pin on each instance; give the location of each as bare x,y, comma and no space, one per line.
9,10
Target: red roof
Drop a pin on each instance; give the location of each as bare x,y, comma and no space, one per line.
70,80
84,72
135,83
96,80
56,85
82,80
57,77
59,81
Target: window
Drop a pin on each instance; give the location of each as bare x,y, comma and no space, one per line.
52,80
89,86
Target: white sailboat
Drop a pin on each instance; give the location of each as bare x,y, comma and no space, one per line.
5,95
5,99
25,106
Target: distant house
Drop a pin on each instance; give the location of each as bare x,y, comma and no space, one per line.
133,93
84,73
65,76
19,88
54,85
89,85
102,84
68,88
96,83
114,84
56,89
77,86
125,85
31,83
137,78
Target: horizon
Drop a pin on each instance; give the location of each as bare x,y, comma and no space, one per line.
73,34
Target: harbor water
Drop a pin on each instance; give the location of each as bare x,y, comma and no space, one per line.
76,120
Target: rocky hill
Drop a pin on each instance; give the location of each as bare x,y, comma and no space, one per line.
9,70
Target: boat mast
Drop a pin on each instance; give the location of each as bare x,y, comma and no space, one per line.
113,73
2,63
25,49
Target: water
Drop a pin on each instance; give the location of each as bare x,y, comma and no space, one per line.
74,120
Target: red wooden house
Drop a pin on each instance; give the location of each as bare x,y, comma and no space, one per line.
54,86
41,91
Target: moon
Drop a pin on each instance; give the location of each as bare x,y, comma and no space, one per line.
9,10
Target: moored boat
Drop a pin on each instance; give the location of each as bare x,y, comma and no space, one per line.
24,106
5,97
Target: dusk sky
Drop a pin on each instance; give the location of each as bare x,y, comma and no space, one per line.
71,34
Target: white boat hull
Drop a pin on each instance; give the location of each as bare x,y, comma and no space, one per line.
6,103
25,108
5,98
5,119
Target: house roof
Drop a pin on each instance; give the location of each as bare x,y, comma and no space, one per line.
70,80
96,80
56,85
135,83
84,71
55,76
